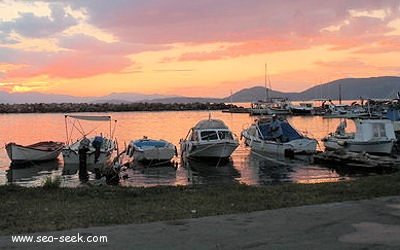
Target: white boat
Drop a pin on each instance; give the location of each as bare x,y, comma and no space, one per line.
209,139
371,136
274,105
259,108
259,138
98,148
303,108
148,150
41,151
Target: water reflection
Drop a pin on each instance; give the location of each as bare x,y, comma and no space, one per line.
270,169
32,174
267,169
244,166
346,172
153,175
211,171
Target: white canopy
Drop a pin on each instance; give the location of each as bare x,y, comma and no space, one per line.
91,117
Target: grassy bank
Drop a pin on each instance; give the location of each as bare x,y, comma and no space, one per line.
25,210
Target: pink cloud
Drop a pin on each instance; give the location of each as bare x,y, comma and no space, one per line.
243,49
81,65
161,21
82,42
68,65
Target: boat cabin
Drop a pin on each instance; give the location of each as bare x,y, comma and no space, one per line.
211,135
369,130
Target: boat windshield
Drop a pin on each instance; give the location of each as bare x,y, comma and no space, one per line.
216,135
223,135
208,135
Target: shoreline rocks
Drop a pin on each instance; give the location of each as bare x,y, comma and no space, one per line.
107,107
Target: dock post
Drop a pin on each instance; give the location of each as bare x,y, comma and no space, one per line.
83,149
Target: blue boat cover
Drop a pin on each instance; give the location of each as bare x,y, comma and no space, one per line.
393,114
289,133
150,143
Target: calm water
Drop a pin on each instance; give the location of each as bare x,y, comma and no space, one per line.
244,167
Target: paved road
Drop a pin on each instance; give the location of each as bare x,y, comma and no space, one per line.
367,224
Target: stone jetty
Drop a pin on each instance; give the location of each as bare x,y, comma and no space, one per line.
108,107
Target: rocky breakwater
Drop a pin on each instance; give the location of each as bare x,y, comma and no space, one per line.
107,107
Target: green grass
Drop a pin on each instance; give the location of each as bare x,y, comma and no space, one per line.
26,210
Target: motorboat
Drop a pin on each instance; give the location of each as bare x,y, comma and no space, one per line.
259,108
40,151
259,137
98,146
274,105
303,108
375,136
149,150
210,138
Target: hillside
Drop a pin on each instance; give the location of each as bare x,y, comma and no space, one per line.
385,87
253,94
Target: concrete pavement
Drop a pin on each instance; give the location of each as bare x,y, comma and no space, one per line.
366,224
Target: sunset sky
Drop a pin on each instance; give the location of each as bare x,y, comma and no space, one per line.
196,48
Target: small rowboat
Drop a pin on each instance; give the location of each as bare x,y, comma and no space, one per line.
41,151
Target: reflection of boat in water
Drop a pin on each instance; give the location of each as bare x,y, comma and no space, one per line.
145,176
265,169
270,169
211,172
32,174
40,151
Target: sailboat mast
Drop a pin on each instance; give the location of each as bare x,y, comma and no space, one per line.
265,83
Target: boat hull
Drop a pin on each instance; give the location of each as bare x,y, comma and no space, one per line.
71,154
301,111
151,150
373,147
208,150
153,155
304,145
43,151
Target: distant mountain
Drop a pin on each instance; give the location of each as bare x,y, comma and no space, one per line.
36,97
253,94
186,100
385,87
130,97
